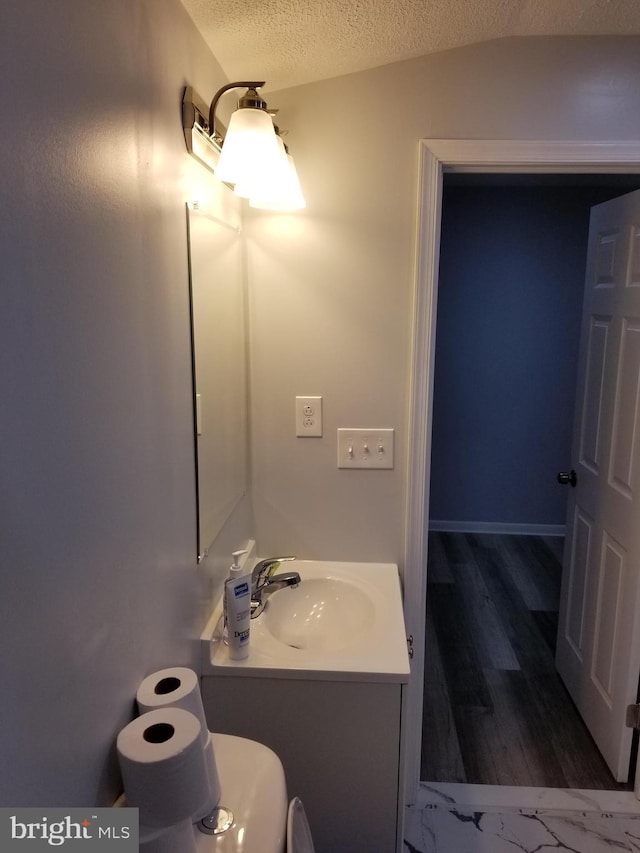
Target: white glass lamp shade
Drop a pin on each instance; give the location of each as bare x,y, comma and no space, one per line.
281,191
250,147
266,182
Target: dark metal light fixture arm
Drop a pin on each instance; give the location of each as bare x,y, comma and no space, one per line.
220,92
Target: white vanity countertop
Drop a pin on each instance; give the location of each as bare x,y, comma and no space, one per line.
376,651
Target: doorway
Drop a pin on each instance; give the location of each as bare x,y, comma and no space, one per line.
511,280
458,155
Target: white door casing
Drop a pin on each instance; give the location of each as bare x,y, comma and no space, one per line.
460,155
598,653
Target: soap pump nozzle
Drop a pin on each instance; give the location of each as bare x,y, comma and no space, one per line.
235,570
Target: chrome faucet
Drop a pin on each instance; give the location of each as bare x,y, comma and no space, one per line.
264,582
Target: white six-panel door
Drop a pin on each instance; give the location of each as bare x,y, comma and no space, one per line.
598,653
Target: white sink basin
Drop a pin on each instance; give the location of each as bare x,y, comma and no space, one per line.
344,621
320,613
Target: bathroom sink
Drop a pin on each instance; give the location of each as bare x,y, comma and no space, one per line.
343,622
320,613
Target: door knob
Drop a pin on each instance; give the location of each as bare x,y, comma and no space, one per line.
568,478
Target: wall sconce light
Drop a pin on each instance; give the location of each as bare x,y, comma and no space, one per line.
281,190
250,154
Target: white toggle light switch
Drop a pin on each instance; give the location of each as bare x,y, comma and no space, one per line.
365,448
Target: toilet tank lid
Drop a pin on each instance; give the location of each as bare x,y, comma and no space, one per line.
298,833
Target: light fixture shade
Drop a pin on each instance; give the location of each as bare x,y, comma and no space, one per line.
281,190
264,183
250,147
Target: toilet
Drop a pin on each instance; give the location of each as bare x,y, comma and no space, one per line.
253,803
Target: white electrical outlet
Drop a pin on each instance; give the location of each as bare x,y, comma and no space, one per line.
308,417
365,448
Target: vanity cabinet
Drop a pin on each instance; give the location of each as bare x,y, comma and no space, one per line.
339,742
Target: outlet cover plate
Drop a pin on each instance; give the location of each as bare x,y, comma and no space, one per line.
309,417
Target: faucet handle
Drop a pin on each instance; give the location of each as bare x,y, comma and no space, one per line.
265,568
275,561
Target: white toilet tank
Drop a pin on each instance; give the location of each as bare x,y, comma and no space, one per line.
253,789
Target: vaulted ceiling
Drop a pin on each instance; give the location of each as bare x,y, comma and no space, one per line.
289,42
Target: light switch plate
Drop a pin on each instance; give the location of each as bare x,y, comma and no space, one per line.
365,448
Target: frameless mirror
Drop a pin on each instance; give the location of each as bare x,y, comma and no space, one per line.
219,369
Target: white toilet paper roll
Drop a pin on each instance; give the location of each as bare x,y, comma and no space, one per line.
163,766
180,837
212,770
175,687
179,687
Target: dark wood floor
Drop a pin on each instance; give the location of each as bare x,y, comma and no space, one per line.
495,709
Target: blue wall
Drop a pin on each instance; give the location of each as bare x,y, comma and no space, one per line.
510,296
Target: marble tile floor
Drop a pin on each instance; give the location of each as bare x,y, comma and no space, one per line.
454,818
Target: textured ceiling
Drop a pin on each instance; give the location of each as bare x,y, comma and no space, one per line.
289,42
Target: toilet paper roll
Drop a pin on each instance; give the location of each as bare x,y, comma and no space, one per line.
163,766
175,687
180,837
207,804
179,687
212,770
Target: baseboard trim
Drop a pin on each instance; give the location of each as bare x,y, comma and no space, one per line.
496,527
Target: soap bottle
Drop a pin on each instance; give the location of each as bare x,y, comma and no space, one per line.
235,572
237,591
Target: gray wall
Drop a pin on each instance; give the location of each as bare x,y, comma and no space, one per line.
97,511
332,288
100,584
510,292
